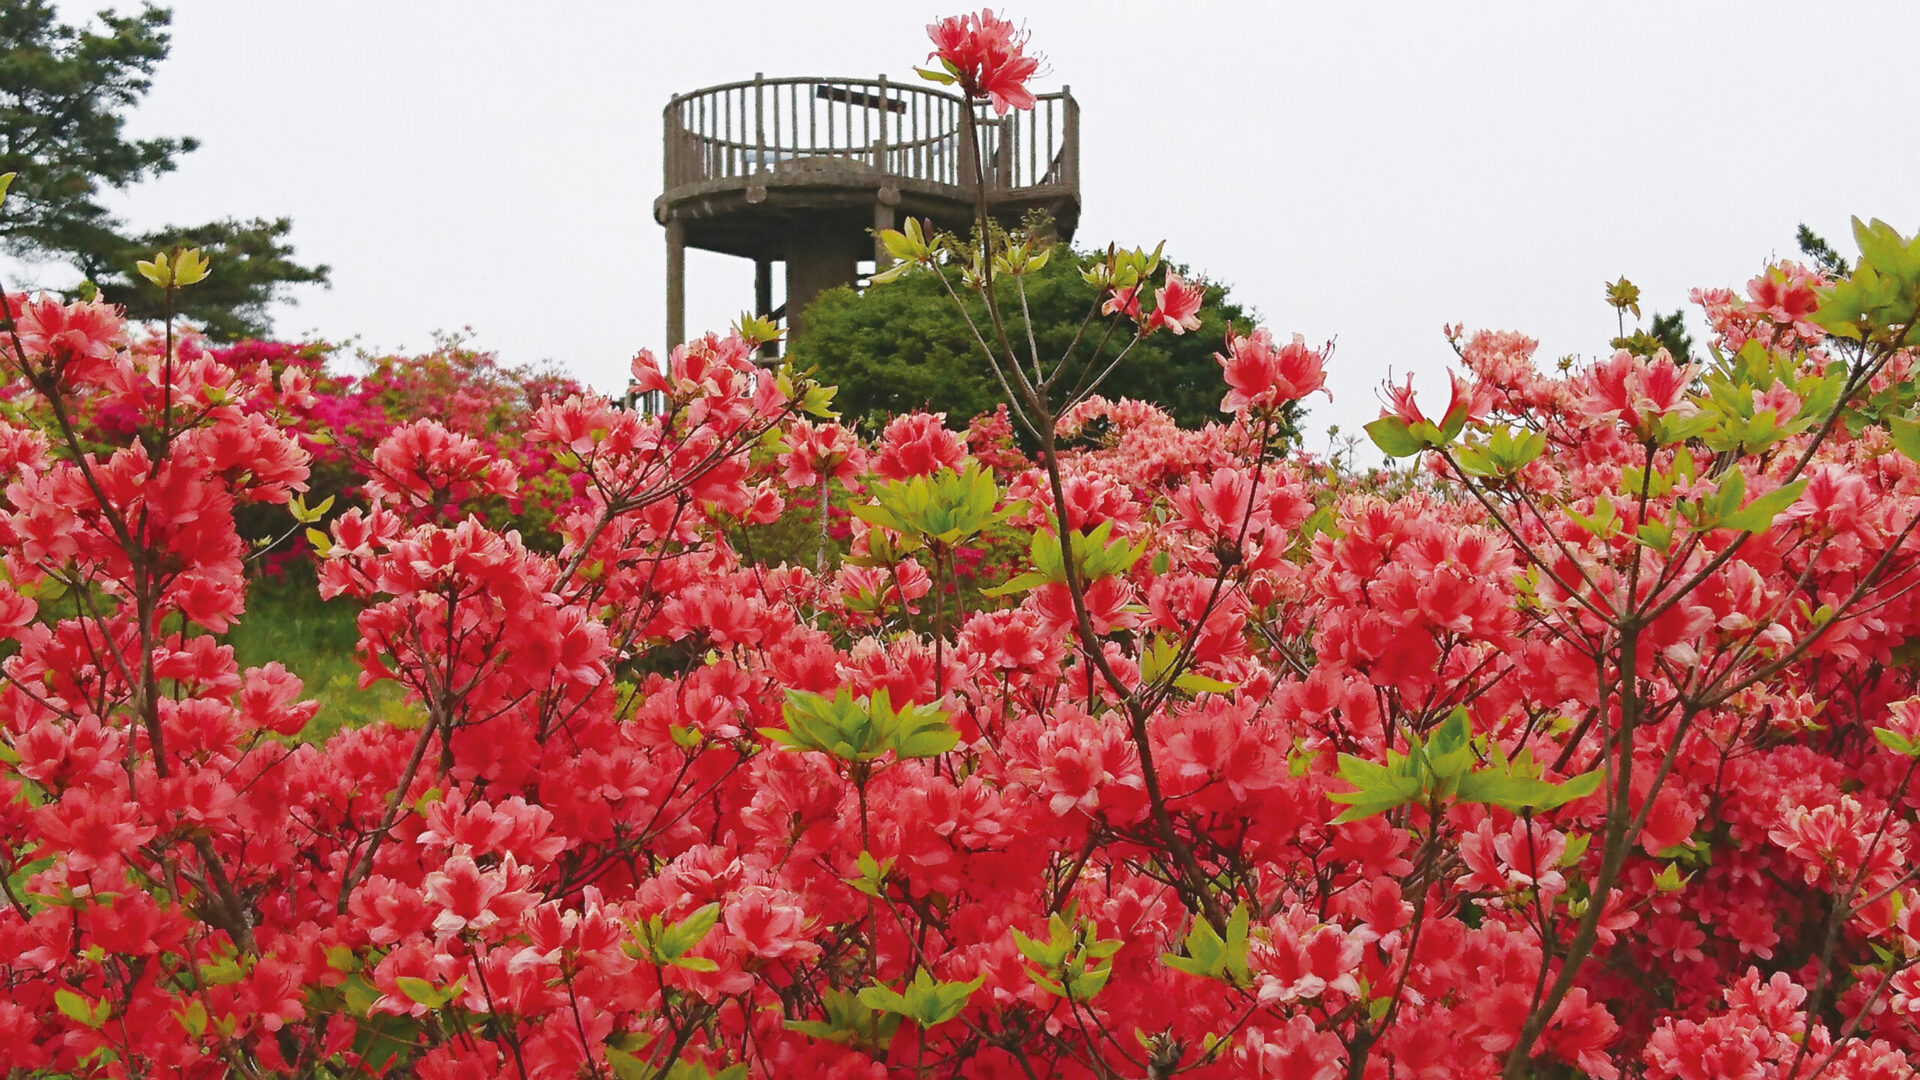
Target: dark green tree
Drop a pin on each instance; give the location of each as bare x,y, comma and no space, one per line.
250,264
904,345
1816,248
1671,332
64,95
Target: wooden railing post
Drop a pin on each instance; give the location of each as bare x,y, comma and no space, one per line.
886,113
1003,153
671,165
964,160
1070,151
759,123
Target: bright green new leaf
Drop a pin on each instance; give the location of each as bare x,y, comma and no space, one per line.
189,268
193,1018
849,1021
1074,962
1669,878
1210,956
949,507
421,992
759,329
158,270
1377,788
872,877
1518,793
1202,684
925,1001
1906,437
1393,437
667,944
1095,555
1896,742
79,1010
1449,751
1758,515
862,729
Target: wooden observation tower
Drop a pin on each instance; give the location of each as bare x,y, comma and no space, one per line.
802,171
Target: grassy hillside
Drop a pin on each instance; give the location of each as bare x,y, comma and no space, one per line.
287,621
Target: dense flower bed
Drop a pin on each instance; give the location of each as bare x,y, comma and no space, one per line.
1590,754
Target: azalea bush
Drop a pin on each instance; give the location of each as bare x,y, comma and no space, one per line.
1589,754
466,391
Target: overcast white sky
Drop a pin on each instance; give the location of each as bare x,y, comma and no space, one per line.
1364,172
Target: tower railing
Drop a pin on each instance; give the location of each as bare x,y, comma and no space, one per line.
738,131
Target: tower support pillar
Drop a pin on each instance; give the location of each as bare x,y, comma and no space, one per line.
676,282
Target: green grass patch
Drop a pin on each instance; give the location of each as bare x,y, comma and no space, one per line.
287,621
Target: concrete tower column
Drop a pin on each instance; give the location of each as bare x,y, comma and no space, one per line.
676,282
763,300
818,259
882,221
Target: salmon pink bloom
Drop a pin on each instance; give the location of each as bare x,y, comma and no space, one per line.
648,376
93,831
1261,375
1176,305
918,444
1008,640
1123,302
1521,857
817,451
1639,391
1785,295
764,926
1464,403
83,337
988,57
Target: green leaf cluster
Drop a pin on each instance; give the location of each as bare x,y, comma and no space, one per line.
925,1001
1502,454
1212,956
1122,268
1445,767
626,1065
908,247
82,1010
1624,295
1398,438
872,874
1879,303
1723,509
1095,555
668,943
946,508
185,267
1074,962
1158,659
850,1021
862,729
1730,423
422,992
